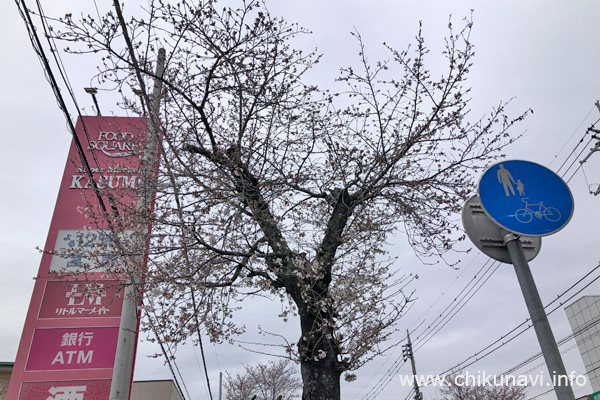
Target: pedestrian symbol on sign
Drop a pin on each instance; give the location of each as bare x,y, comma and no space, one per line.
525,198
505,178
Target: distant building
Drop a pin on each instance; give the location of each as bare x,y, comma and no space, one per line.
584,318
140,390
5,371
155,390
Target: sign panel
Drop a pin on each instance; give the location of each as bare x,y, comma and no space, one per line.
66,390
488,237
90,250
525,198
72,348
81,300
67,348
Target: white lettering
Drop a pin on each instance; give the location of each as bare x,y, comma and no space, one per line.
113,144
115,136
82,358
58,358
67,393
76,182
78,298
583,380
104,181
70,353
110,181
129,181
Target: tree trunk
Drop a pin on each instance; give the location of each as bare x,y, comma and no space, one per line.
319,359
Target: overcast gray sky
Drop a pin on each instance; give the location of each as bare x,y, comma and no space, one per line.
542,53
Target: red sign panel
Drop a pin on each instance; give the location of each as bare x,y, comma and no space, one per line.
67,390
72,348
81,300
67,348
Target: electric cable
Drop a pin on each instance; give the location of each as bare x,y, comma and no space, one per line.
570,154
205,386
181,377
558,297
462,306
463,364
570,137
419,323
541,394
39,50
479,356
425,341
566,339
441,315
168,357
592,137
525,322
388,377
62,70
444,292
580,164
458,304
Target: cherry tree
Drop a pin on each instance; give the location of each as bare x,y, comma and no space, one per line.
275,380
275,188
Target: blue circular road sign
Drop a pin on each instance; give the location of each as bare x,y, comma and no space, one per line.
525,198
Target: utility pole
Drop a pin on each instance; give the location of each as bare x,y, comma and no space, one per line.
220,385
124,358
593,149
407,353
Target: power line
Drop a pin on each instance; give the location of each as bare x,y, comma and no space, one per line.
462,365
570,137
570,154
561,342
168,354
63,73
51,78
504,339
574,161
201,376
541,394
501,342
458,303
39,50
443,293
395,368
586,275
419,325
592,137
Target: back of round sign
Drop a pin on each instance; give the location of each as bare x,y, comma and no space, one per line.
488,237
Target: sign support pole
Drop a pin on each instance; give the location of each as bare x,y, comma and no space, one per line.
126,344
539,319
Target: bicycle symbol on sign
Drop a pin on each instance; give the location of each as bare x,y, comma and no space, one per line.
525,215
